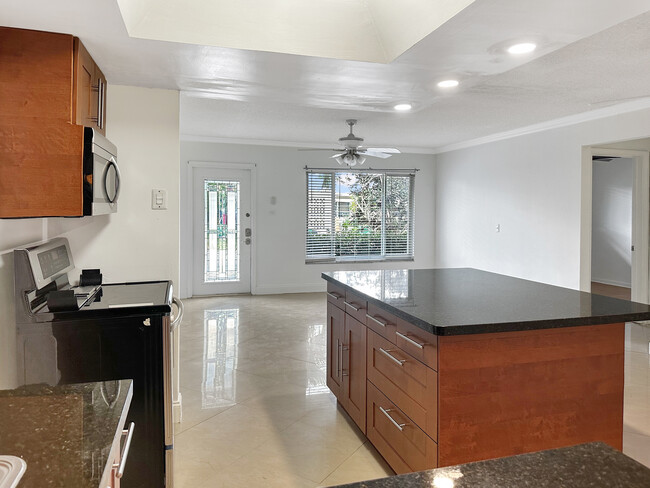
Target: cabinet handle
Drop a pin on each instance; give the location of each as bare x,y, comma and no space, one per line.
385,412
375,319
387,353
125,454
352,306
338,358
335,296
408,339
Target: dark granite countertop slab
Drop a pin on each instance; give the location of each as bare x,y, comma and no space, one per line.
454,301
593,465
64,433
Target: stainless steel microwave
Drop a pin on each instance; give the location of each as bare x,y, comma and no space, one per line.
101,184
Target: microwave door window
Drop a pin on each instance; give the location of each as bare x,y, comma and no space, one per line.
111,182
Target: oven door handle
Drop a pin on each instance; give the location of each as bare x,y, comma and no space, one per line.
176,321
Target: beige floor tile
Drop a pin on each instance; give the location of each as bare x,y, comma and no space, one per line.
195,411
257,411
364,464
637,446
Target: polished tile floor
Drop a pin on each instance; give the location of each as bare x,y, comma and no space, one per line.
257,412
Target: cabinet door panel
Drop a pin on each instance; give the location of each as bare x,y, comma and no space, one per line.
354,371
335,333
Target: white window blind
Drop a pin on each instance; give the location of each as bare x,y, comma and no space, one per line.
359,215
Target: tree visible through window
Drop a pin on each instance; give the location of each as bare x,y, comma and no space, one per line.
359,215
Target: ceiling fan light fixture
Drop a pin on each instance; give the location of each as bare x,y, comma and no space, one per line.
403,107
448,83
522,48
350,159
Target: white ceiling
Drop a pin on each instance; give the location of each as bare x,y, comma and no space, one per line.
592,54
361,30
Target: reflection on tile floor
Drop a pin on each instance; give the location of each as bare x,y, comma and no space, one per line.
257,412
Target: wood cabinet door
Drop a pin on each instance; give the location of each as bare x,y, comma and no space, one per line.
90,90
335,336
354,370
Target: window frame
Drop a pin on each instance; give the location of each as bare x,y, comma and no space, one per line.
334,214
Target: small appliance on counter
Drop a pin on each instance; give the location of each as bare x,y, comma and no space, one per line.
99,332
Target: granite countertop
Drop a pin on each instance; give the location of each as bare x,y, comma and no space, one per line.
456,301
593,465
64,433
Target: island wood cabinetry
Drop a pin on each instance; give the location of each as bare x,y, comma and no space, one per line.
49,89
346,352
441,400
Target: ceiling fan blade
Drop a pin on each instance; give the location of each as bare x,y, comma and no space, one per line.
375,154
389,150
337,155
317,149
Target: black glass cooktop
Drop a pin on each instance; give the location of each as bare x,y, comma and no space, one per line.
124,298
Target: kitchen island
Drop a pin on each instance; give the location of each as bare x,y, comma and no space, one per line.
441,367
68,435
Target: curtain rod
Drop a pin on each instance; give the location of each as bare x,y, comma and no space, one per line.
364,170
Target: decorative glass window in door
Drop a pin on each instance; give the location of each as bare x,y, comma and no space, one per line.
221,231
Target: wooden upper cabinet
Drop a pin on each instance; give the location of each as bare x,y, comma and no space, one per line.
90,90
45,100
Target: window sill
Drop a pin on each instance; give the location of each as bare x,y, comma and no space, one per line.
357,260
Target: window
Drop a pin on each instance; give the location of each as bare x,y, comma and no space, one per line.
359,215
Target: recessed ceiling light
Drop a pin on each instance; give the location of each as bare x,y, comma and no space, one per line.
448,83
522,48
402,107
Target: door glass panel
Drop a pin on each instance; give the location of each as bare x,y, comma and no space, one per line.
221,231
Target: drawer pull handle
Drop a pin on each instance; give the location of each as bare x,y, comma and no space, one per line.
408,339
387,353
385,412
375,319
352,306
125,454
335,296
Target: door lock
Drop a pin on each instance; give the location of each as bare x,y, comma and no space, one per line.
247,232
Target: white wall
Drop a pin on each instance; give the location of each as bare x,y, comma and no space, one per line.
531,186
136,243
611,253
279,244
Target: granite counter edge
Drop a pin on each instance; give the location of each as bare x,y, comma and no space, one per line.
487,328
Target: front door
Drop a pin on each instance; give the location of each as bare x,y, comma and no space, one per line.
222,231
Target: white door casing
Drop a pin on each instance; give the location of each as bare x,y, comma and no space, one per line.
640,219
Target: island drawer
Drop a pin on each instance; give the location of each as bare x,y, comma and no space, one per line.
356,306
382,322
411,385
418,343
403,445
336,295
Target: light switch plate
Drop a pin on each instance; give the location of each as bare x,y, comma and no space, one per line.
159,199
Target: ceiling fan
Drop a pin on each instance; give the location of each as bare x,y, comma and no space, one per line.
353,152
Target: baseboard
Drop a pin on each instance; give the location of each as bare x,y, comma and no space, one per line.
611,282
177,409
289,288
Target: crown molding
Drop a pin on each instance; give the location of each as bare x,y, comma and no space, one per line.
569,120
306,145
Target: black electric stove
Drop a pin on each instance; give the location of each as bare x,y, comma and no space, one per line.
105,332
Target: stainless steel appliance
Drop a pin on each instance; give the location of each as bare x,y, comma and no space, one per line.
101,183
115,331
